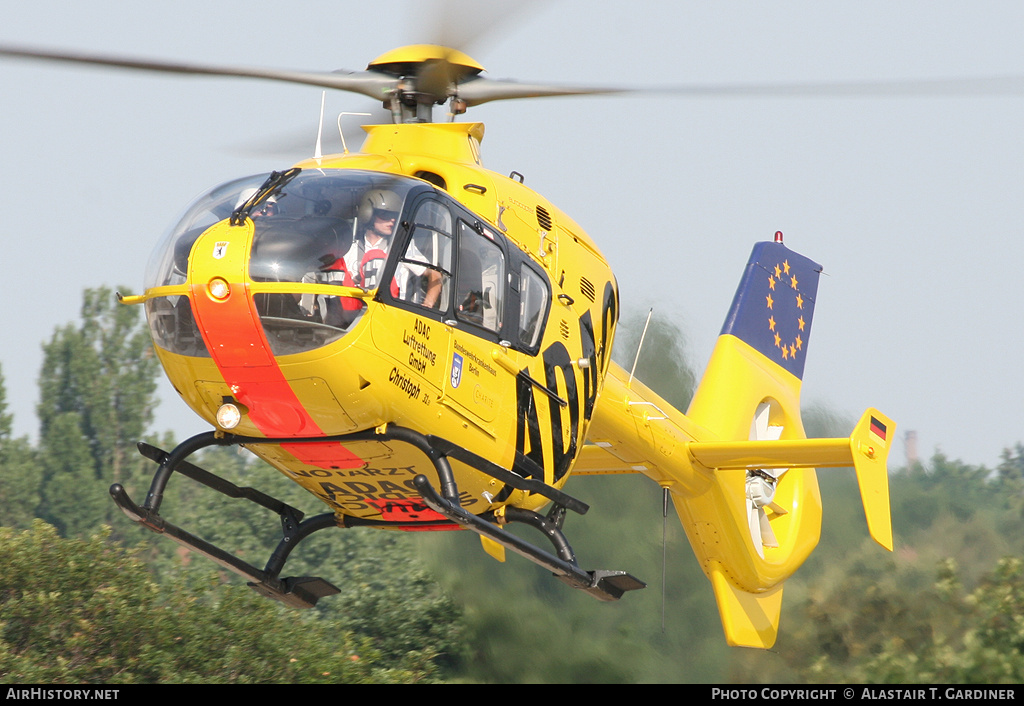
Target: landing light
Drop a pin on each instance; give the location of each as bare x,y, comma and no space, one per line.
228,416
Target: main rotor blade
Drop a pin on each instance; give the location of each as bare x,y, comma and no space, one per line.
367,83
482,90
966,86
436,77
479,90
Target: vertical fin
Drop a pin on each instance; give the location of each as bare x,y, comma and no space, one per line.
774,304
748,619
870,444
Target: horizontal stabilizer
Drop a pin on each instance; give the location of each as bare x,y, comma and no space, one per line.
866,450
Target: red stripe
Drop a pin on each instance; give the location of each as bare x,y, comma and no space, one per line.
234,336
409,511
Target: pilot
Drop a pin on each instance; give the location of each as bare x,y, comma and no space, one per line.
363,264
267,208
365,259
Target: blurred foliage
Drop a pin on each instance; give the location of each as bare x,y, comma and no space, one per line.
663,363
19,478
86,611
97,579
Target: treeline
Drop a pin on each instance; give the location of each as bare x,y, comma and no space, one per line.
86,596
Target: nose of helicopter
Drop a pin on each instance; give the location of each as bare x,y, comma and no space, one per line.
230,324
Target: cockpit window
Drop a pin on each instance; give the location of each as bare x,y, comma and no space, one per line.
169,262
534,297
424,273
326,227
314,220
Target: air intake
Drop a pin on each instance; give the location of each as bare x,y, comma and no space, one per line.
544,218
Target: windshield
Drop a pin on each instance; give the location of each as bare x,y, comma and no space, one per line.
169,262
324,226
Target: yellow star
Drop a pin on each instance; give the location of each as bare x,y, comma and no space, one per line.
770,301
799,344
799,302
778,339
792,352
778,272
800,322
785,353
785,266
771,323
771,283
793,282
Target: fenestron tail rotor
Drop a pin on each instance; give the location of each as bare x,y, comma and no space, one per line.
761,485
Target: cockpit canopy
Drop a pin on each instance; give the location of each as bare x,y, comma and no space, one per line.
412,245
309,222
302,229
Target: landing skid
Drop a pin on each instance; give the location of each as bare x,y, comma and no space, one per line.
297,592
601,584
305,591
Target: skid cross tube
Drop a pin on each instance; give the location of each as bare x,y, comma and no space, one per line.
435,448
603,585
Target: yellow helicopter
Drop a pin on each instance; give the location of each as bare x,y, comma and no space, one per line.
425,344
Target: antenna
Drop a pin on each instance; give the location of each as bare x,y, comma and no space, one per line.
317,151
638,347
664,551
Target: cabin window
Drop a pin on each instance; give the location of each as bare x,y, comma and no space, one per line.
534,298
480,280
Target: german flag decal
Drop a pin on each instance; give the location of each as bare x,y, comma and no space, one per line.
878,429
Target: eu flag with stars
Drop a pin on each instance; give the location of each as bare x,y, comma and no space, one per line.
774,304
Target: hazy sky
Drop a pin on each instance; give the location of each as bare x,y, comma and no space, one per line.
912,204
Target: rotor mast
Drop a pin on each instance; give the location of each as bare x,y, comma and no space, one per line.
428,75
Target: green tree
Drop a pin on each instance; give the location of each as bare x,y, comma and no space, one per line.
97,394
937,633
1010,477
19,477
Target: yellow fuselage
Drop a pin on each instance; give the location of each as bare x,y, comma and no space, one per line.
395,366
